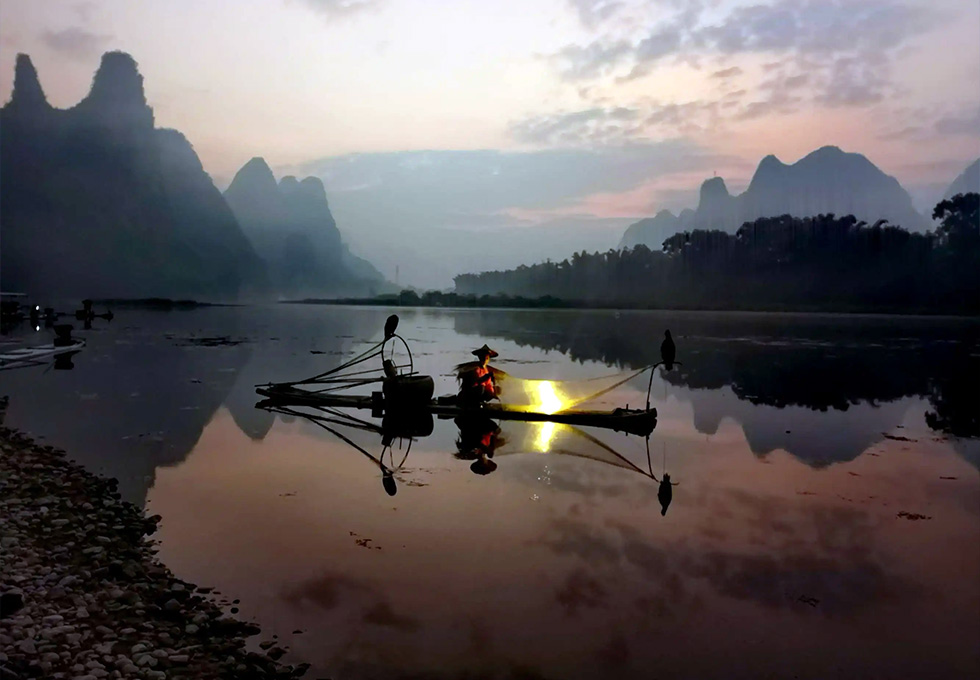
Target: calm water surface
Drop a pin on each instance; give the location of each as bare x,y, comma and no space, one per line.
801,446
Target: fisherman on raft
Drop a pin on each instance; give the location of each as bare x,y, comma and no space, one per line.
478,380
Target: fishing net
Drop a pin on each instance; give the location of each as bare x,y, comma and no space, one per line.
481,438
554,396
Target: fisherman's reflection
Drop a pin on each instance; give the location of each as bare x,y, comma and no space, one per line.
479,437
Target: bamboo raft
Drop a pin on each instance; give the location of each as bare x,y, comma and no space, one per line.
407,393
640,422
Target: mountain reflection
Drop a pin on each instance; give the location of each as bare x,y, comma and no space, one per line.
824,388
820,363
142,391
134,401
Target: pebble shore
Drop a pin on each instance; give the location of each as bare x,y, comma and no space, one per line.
82,594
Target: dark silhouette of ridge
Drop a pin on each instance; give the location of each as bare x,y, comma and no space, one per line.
826,181
967,182
27,93
98,202
292,228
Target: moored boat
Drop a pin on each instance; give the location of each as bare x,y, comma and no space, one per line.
32,356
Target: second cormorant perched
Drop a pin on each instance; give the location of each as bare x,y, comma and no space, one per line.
667,351
390,325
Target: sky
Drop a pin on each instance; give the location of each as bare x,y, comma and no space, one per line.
534,127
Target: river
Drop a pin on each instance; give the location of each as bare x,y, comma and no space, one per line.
824,522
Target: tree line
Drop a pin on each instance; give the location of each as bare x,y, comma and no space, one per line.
818,263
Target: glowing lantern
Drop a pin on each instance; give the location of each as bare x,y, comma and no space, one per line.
548,400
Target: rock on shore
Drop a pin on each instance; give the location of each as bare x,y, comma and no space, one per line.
82,594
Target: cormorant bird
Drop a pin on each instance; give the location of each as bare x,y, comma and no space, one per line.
667,351
390,325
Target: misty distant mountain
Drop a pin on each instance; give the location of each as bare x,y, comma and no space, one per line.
827,180
98,202
291,227
968,181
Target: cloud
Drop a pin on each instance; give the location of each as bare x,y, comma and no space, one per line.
84,10
341,9
848,47
780,98
727,72
758,109
592,13
854,81
617,126
967,124
908,132
685,118
595,126
575,62
784,84
76,43
816,27
662,42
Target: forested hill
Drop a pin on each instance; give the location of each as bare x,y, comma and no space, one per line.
819,263
825,181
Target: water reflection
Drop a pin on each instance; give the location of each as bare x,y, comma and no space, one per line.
141,393
822,388
813,367
460,573
478,439
761,567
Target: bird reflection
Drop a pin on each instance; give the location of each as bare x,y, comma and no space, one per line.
668,352
665,494
388,482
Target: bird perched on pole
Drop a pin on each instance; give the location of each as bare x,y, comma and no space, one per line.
390,325
668,353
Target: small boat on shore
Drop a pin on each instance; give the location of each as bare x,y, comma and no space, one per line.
32,356
63,347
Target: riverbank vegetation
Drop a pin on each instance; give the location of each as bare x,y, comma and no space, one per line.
823,263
